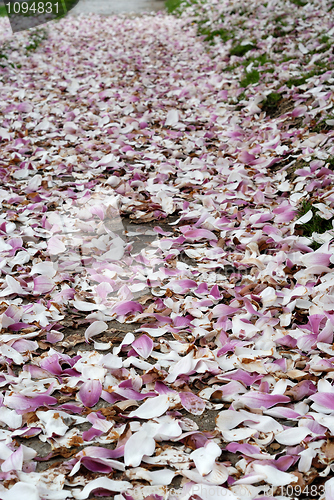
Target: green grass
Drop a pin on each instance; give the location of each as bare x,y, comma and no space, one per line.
316,225
280,23
269,105
281,20
230,67
211,34
278,32
288,58
330,163
36,37
250,78
324,39
322,126
173,5
70,4
241,50
299,3
3,11
257,60
322,67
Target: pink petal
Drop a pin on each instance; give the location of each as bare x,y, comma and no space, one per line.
14,462
127,307
258,399
24,107
90,392
223,310
198,234
55,246
325,399
43,284
192,403
143,346
299,111
246,158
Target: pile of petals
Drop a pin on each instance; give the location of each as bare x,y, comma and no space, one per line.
200,365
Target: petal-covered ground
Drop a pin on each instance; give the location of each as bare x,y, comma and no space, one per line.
166,242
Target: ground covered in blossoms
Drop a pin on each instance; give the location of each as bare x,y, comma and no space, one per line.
166,243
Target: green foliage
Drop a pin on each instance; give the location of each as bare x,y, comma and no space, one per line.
210,35
269,105
278,32
260,62
299,3
322,126
36,37
287,58
172,5
3,11
295,81
316,225
330,163
241,50
257,60
321,67
5,48
230,67
324,39
280,23
250,78
280,20
241,97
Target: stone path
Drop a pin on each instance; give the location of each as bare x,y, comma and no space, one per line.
108,7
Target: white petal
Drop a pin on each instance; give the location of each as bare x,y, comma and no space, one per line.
21,490
45,268
95,329
205,457
238,434
229,419
292,436
329,489
138,445
172,117
101,482
153,407
274,476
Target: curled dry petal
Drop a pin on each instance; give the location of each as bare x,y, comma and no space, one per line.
95,329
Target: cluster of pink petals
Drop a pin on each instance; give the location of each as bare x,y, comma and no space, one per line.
233,310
